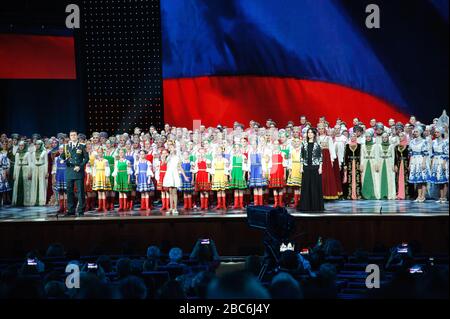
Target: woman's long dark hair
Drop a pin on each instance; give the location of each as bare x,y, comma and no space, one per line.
314,131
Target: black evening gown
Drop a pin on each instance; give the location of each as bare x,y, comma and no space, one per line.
311,199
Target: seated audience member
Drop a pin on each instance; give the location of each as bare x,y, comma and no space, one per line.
237,285
400,258
324,285
200,282
434,283
172,289
136,267
175,257
91,287
123,268
284,286
205,253
55,290
105,262
153,252
26,287
132,287
150,265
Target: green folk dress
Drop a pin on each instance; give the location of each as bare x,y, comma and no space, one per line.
237,180
121,183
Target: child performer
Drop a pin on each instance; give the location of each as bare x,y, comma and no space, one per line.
109,156
88,178
256,174
172,178
101,183
59,180
187,186
160,172
144,174
122,172
237,169
202,179
219,171
294,166
277,178
130,156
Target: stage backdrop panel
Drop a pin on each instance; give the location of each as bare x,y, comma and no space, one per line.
241,60
25,56
39,88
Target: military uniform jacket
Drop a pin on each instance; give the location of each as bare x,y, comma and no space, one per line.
75,155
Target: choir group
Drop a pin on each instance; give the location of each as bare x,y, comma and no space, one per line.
397,161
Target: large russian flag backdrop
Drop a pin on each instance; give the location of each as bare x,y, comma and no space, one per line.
234,60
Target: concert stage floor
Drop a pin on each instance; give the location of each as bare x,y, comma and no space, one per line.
335,208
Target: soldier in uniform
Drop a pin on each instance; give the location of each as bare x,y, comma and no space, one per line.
75,157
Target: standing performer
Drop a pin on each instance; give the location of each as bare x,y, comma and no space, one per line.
4,172
256,175
52,154
109,156
402,167
370,168
172,179
352,173
59,180
39,172
75,157
130,156
89,178
277,180
387,168
101,182
122,172
144,183
439,164
187,185
160,172
219,172
22,177
237,177
311,158
202,179
419,171
295,170
329,179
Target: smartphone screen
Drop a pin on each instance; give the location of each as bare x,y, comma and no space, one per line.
92,266
205,241
415,270
31,262
304,251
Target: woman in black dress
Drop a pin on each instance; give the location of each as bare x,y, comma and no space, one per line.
311,198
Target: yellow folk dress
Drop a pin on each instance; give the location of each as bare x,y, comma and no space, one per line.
295,179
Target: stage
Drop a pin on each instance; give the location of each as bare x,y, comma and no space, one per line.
333,208
357,224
